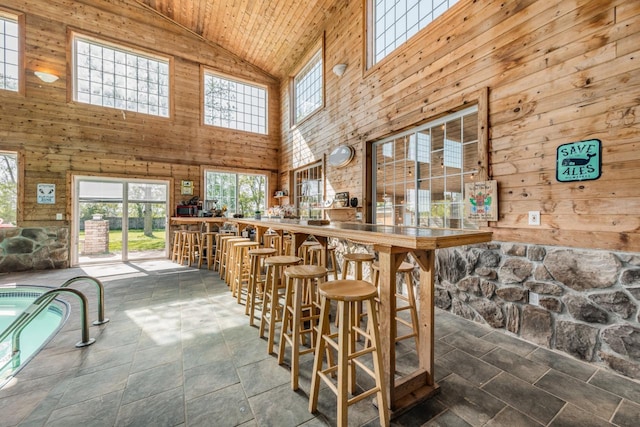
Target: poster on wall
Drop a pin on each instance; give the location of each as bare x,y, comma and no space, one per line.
579,161
46,194
481,200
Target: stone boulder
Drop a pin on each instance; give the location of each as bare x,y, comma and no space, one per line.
490,312
514,249
582,309
470,285
512,294
537,326
625,367
487,288
583,270
630,277
544,288
576,339
541,273
451,266
489,259
513,318
536,253
442,298
460,309
515,270
615,302
624,340
551,304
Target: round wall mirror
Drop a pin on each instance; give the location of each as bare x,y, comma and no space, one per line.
341,156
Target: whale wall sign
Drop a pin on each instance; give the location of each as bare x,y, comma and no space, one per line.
579,161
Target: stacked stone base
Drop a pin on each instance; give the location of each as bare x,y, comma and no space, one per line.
33,248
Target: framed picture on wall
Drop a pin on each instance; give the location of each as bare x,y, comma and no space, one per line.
186,187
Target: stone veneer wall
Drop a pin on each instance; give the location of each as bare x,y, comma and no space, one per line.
33,248
588,299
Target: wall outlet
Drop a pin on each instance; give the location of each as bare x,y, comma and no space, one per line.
534,298
534,217
359,216
59,216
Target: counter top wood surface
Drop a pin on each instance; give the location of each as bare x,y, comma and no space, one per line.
392,244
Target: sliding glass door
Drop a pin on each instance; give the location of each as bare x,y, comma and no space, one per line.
117,219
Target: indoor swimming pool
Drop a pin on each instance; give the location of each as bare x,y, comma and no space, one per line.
13,302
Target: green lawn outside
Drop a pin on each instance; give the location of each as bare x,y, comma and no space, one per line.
137,240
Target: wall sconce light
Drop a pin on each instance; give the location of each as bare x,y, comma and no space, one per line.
46,77
339,69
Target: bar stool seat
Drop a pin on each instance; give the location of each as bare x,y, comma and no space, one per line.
409,300
226,257
301,313
348,294
256,282
273,240
358,259
271,307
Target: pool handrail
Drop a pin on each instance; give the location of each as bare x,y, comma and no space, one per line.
42,302
101,320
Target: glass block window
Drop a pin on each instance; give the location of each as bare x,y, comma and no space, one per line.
308,88
239,193
121,78
394,22
419,175
9,54
234,105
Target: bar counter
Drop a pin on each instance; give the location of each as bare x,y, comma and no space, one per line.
392,243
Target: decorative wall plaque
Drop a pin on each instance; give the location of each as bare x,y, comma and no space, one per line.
579,161
481,200
46,194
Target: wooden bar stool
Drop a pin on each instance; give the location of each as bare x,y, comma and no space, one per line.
230,264
241,268
256,281
207,240
224,255
272,240
331,256
190,248
220,238
300,315
176,255
304,252
358,260
405,268
271,307
348,294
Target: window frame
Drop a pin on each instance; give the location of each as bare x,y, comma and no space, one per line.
479,98
317,49
20,20
19,159
370,55
73,33
204,71
237,173
317,211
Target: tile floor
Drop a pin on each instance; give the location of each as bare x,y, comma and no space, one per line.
178,351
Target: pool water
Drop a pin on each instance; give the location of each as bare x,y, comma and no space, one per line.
13,301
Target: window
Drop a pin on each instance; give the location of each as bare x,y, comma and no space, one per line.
308,88
419,175
309,191
234,105
394,22
120,78
239,193
9,53
8,189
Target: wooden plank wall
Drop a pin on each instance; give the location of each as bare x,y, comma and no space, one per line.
556,71
58,137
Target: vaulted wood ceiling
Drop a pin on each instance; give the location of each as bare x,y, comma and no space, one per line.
271,34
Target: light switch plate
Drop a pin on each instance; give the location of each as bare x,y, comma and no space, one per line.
534,217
